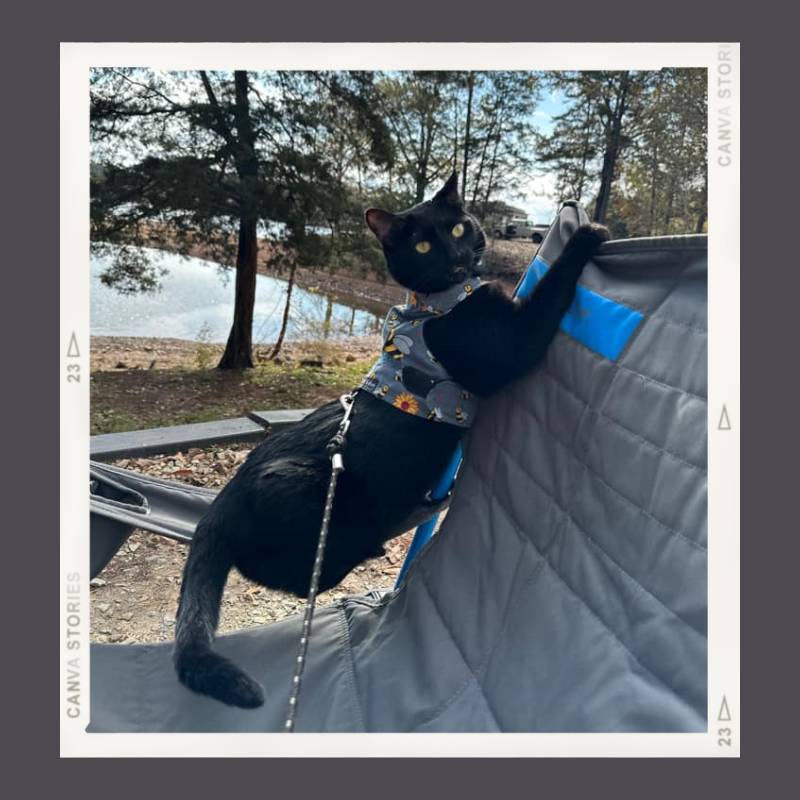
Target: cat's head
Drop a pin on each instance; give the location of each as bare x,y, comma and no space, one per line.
433,245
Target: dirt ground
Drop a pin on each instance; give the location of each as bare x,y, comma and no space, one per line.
147,383
135,597
113,353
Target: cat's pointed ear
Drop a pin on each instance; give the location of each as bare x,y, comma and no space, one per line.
448,194
380,222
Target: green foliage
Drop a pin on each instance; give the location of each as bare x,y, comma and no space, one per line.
648,130
182,156
170,164
663,183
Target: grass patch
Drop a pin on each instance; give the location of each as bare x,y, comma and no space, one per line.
135,399
108,420
306,379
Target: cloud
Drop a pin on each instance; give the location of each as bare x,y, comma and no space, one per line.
541,198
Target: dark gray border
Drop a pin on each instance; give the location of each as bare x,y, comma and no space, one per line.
32,385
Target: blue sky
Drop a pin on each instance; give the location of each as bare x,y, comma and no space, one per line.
541,201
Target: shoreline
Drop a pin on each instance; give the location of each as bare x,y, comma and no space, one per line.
343,286
118,353
506,261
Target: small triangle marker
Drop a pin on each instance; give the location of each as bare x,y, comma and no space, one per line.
724,711
72,350
724,420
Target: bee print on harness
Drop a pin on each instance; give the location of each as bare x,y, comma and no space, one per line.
439,396
396,345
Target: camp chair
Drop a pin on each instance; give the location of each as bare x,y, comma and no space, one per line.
565,589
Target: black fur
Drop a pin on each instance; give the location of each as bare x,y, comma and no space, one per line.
266,520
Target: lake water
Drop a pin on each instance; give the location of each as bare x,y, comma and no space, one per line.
197,296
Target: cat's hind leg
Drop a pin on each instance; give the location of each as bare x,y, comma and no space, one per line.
275,542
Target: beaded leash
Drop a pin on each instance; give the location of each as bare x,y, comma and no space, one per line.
334,450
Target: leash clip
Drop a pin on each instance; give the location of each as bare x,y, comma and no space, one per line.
335,445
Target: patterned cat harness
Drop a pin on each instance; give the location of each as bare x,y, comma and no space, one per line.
407,375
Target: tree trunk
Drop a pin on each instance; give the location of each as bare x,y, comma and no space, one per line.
490,181
606,179
479,175
420,178
673,185
653,189
669,204
239,348
285,321
612,148
701,219
470,88
585,154
455,132
426,144
326,325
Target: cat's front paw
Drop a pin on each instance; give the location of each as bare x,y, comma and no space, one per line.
588,238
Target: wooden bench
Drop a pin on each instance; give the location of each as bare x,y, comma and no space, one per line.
175,438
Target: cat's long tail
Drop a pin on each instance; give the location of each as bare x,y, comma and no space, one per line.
199,668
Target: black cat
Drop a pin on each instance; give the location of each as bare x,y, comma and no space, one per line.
266,520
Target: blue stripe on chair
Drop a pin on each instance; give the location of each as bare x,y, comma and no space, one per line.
603,325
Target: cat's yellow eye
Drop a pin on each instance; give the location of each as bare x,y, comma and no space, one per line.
422,247
458,231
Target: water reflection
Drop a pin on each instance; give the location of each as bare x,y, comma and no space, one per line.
194,297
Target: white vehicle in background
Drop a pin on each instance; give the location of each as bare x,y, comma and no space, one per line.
521,228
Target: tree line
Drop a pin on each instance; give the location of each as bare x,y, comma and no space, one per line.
234,158
632,146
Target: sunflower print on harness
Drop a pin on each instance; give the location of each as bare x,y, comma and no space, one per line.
406,402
